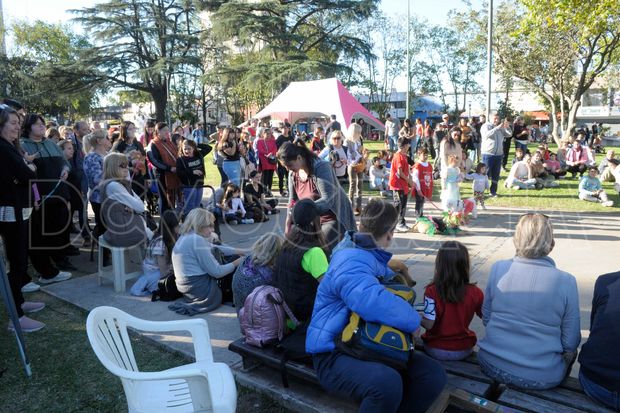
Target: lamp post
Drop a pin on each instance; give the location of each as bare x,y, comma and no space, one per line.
489,57
408,103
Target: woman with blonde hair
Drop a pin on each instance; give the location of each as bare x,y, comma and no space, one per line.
196,269
355,148
257,268
121,209
96,145
531,313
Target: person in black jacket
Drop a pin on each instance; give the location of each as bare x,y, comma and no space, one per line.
191,172
16,174
599,373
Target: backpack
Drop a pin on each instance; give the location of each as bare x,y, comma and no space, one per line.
263,316
370,341
166,289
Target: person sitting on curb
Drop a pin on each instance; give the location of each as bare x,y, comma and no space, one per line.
352,284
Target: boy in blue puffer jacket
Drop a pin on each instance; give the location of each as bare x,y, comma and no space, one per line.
351,283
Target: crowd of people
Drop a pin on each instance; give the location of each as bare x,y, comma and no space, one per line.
326,266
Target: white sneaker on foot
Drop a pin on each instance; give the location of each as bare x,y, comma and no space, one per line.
607,203
31,287
32,306
28,325
61,276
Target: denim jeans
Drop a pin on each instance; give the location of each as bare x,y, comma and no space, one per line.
392,142
192,198
600,394
378,387
447,355
232,169
494,167
507,378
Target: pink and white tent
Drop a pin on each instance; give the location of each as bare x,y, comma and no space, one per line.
318,98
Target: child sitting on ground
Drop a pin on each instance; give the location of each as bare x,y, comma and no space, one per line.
379,177
553,167
157,261
520,175
590,189
422,176
481,183
232,207
518,156
543,148
450,302
450,179
466,164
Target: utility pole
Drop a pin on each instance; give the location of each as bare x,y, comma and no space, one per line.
408,103
489,58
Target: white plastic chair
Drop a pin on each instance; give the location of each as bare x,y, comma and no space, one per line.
203,386
120,261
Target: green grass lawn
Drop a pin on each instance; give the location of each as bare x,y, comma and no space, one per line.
66,374
562,198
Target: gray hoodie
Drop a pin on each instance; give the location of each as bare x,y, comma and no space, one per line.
493,137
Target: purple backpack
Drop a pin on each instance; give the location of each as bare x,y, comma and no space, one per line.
263,316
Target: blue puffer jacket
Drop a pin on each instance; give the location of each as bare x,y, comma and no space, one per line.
351,283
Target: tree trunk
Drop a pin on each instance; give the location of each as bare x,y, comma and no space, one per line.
572,115
160,97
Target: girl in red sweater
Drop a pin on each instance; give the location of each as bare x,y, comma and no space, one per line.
450,302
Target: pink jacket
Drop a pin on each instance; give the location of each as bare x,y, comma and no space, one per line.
581,157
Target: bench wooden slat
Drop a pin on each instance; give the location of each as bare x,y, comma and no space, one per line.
466,369
271,358
470,386
529,403
567,397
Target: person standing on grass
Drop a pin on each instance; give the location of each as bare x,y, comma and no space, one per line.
392,128
355,148
17,171
401,182
492,135
285,136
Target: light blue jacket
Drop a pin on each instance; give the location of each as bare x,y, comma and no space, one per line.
531,315
351,283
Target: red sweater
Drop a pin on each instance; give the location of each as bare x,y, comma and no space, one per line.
451,329
424,175
399,161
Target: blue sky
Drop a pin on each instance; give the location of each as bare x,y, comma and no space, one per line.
55,10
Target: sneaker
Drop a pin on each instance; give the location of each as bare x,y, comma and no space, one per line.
607,203
28,325
402,228
32,306
31,287
516,187
61,276
268,213
484,207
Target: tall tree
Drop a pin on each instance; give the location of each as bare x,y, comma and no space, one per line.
139,44
559,48
39,47
270,43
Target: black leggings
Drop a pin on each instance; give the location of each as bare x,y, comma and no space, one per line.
267,180
15,236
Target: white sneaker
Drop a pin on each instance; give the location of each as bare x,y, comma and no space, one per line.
607,203
61,276
31,287
402,228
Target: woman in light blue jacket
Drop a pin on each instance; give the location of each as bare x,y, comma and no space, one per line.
531,313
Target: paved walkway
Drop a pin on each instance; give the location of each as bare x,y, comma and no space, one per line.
586,246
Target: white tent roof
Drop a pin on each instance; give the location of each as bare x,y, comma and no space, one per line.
318,98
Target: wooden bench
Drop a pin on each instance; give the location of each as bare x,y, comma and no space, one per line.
468,388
